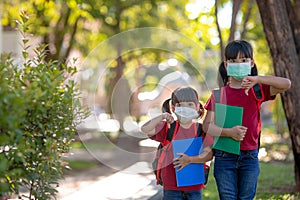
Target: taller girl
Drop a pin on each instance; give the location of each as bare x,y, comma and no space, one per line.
236,175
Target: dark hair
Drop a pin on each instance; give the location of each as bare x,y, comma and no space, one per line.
183,94
166,106
232,50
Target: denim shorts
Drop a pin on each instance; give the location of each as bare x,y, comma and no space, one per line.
182,195
236,175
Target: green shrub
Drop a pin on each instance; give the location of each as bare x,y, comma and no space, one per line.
39,111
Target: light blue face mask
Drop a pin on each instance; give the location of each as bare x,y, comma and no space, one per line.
239,70
185,114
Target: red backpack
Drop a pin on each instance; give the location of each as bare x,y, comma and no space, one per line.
164,147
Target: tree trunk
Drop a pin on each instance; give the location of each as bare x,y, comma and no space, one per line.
117,75
282,40
219,30
235,9
247,18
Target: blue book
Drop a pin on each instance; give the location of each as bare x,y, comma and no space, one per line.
192,174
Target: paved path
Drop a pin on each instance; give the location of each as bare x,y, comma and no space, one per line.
129,184
124,172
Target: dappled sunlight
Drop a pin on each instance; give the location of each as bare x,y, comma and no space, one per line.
148,143
270,138
262,155
274,147
278,155
128,181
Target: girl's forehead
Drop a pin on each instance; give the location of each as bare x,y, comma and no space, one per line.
186,103
240,54
239,57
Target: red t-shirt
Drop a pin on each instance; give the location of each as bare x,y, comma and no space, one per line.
251,117
168,171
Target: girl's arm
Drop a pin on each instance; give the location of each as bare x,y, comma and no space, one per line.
236,132
277,84
184,159
149,127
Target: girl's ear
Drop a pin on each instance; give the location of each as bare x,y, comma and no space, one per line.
200,109
198,106
225,64
252,63
172,108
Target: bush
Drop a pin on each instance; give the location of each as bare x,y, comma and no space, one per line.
39,112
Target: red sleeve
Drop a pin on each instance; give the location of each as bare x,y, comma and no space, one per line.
208,141
210,104
266,91
161,132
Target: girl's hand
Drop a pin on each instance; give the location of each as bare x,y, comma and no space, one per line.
168,117
248,82
182,161
238,132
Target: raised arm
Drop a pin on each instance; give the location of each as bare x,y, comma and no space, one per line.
149,127
277,84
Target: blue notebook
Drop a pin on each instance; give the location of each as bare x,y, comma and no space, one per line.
192,174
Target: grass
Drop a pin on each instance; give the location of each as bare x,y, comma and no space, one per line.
81,165
93,145
277,179
78,166
276,182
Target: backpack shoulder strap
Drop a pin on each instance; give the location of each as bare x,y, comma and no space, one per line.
171,131
172,128
200,132
217,94
259,96
258,92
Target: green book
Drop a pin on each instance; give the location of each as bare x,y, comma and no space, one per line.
227,117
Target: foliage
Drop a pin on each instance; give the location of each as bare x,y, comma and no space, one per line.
90,22
39,112
56,21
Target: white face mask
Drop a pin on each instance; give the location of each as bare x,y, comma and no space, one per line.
239,70
185,114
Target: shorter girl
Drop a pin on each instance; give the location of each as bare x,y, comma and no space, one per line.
186,106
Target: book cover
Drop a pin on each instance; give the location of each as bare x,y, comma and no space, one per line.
227,117
193,173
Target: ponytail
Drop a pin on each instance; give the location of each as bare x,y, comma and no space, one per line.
222,75
166,106
254,70
201,110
